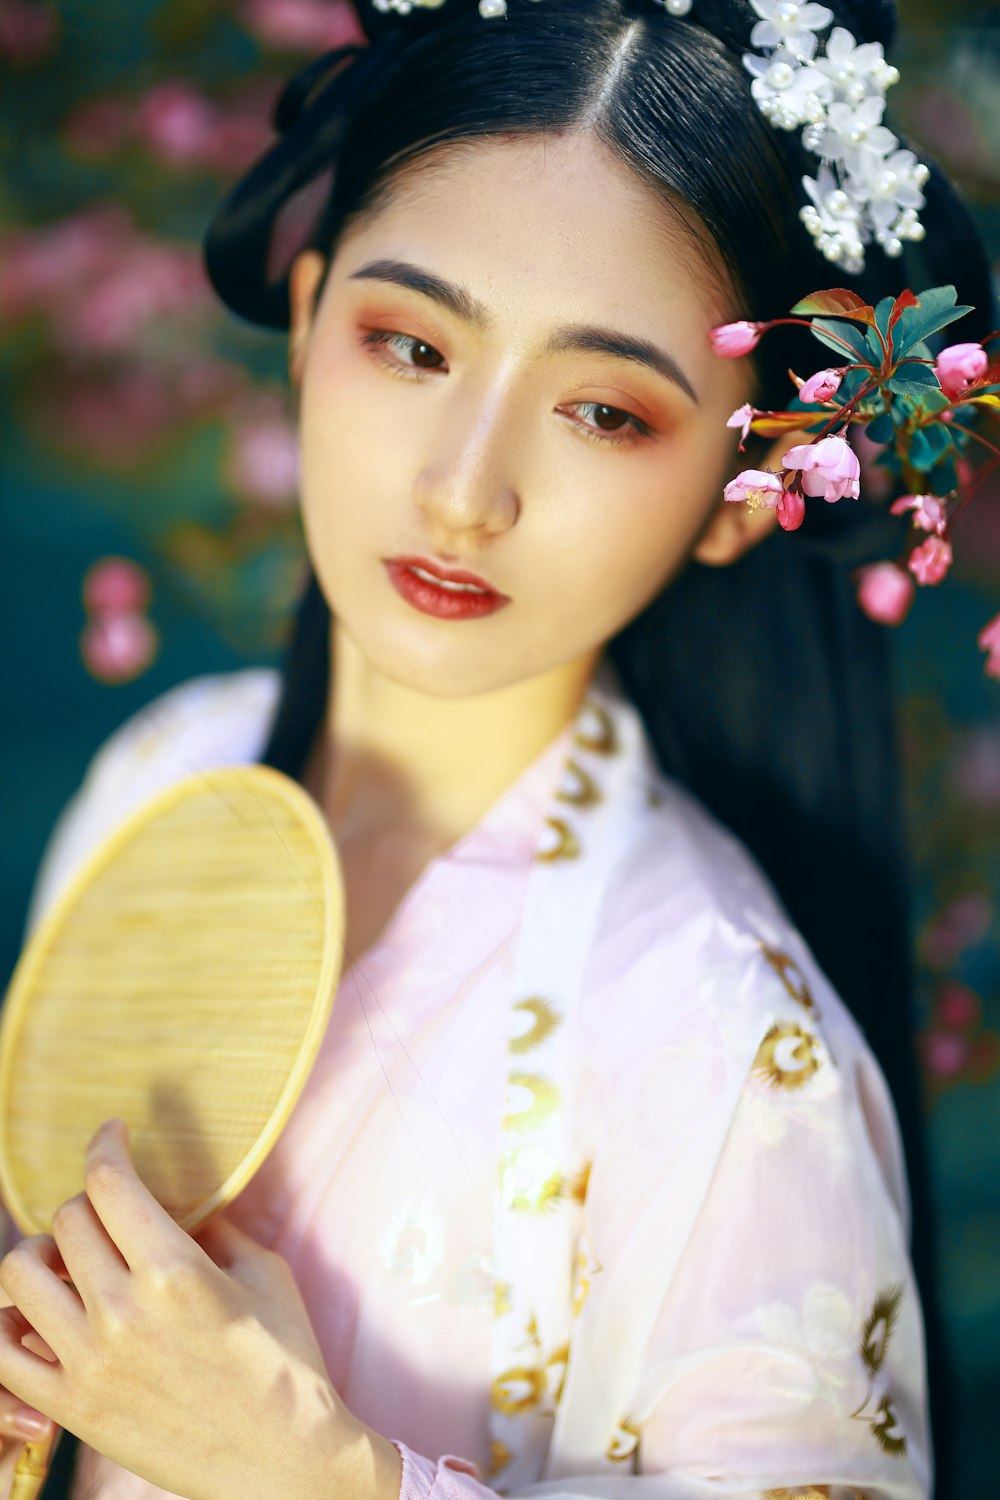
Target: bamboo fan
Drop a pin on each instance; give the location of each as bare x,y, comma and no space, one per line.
183,983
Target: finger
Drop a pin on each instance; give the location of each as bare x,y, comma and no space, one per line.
91,1257
31,1274
32,1379
240,1256
137,1224
20,1421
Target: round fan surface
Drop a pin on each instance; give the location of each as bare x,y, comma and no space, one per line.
183,983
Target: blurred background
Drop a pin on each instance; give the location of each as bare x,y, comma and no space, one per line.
150,532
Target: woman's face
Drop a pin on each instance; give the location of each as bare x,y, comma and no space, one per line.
508,373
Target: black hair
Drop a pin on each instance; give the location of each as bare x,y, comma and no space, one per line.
763,687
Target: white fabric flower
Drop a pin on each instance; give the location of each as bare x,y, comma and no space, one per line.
886,185
785,23
855,71
788,94
854,134
834,219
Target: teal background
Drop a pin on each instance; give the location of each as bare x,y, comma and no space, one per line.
154,484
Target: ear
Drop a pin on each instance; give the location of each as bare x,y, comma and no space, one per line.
303,286
733,530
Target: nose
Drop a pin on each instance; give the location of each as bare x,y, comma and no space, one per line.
466,483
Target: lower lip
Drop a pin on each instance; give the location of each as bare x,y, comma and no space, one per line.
446,604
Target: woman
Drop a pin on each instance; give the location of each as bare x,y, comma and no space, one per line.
690,1274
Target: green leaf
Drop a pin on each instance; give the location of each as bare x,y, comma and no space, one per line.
937,309
883,312
913,380
928,446
837,302
836,335
881,428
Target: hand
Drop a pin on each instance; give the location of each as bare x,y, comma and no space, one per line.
191,1362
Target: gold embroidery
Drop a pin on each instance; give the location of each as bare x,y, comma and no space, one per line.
585,1266
546,1021
556,1367
530,1180
558,842
518,1390
501,1298
787,1057
577,787
800,1492
876,1335
526,1114
500,1456
791,977
625,1442
579,1184
595,730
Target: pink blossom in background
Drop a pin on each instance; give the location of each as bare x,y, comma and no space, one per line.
149,281
885,592
115,586
116,648
755,487
175,122
975,767
302,25
41,269
97,127
945,1054
235,142
962,923
822,386
876,480
262,464
829,468
958,365
931,560
732,340
929,512
29,30
988,640
115,420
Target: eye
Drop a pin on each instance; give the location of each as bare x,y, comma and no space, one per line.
610,424
402,353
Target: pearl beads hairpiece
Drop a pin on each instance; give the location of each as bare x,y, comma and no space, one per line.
867,188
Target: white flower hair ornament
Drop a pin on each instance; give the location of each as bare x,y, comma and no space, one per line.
867,186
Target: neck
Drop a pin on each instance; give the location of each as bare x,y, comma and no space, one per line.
393,758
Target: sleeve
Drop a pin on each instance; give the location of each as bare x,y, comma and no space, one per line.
774,1347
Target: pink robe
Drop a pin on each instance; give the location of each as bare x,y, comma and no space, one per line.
744,1315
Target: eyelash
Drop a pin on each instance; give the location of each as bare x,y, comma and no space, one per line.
378,341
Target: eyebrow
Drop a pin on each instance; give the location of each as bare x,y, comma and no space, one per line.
583,338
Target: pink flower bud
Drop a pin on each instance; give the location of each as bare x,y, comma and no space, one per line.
958,365
117,648
742,417
829,468
758,487
791,510
931,560
733,339
822,386
885,593
929,513
115,586
989,641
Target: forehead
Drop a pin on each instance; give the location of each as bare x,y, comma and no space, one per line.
555,226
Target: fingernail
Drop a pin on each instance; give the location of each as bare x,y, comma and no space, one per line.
29,1423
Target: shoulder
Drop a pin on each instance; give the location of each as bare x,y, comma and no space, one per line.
211,720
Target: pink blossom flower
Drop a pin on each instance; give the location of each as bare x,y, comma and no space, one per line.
791,510
931,560
302,25
733,339
958,365
176,122
149,281
27,32
115,586
116,648
885,592
989,641
757,487
822,386
742,417
929,513
829,468
263,460
944,1053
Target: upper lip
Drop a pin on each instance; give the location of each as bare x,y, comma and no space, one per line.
450,575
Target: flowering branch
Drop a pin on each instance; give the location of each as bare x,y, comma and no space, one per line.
907,401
